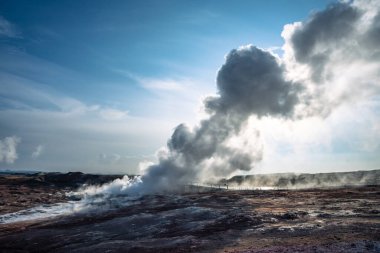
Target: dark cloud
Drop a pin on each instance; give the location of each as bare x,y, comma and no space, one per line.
342,32
331,26
339,47
371,39
252,82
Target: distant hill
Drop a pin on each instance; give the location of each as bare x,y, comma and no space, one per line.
293,180
54,179
17,172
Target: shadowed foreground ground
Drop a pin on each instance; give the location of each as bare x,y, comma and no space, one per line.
333,220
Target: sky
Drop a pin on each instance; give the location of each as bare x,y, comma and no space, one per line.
99,86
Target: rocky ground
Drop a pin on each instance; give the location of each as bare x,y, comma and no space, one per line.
314,220
20,191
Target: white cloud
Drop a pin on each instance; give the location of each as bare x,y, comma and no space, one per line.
8,149
38,151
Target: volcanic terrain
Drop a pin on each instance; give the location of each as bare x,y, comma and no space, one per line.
340,219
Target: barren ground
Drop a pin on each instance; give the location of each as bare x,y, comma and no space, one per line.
314,220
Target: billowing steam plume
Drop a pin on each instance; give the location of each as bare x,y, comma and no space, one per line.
330,59
251,82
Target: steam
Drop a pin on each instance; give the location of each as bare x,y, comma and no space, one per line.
116,187
251,82
304,181
330,59
8,149
335,55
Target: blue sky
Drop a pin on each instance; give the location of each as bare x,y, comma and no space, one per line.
98,86
101,45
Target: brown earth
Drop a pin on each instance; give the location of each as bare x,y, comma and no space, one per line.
20,192
314,220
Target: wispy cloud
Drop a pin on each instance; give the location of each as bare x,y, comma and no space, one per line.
21,93
158,84
165,84
108,158
8,29
38,151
